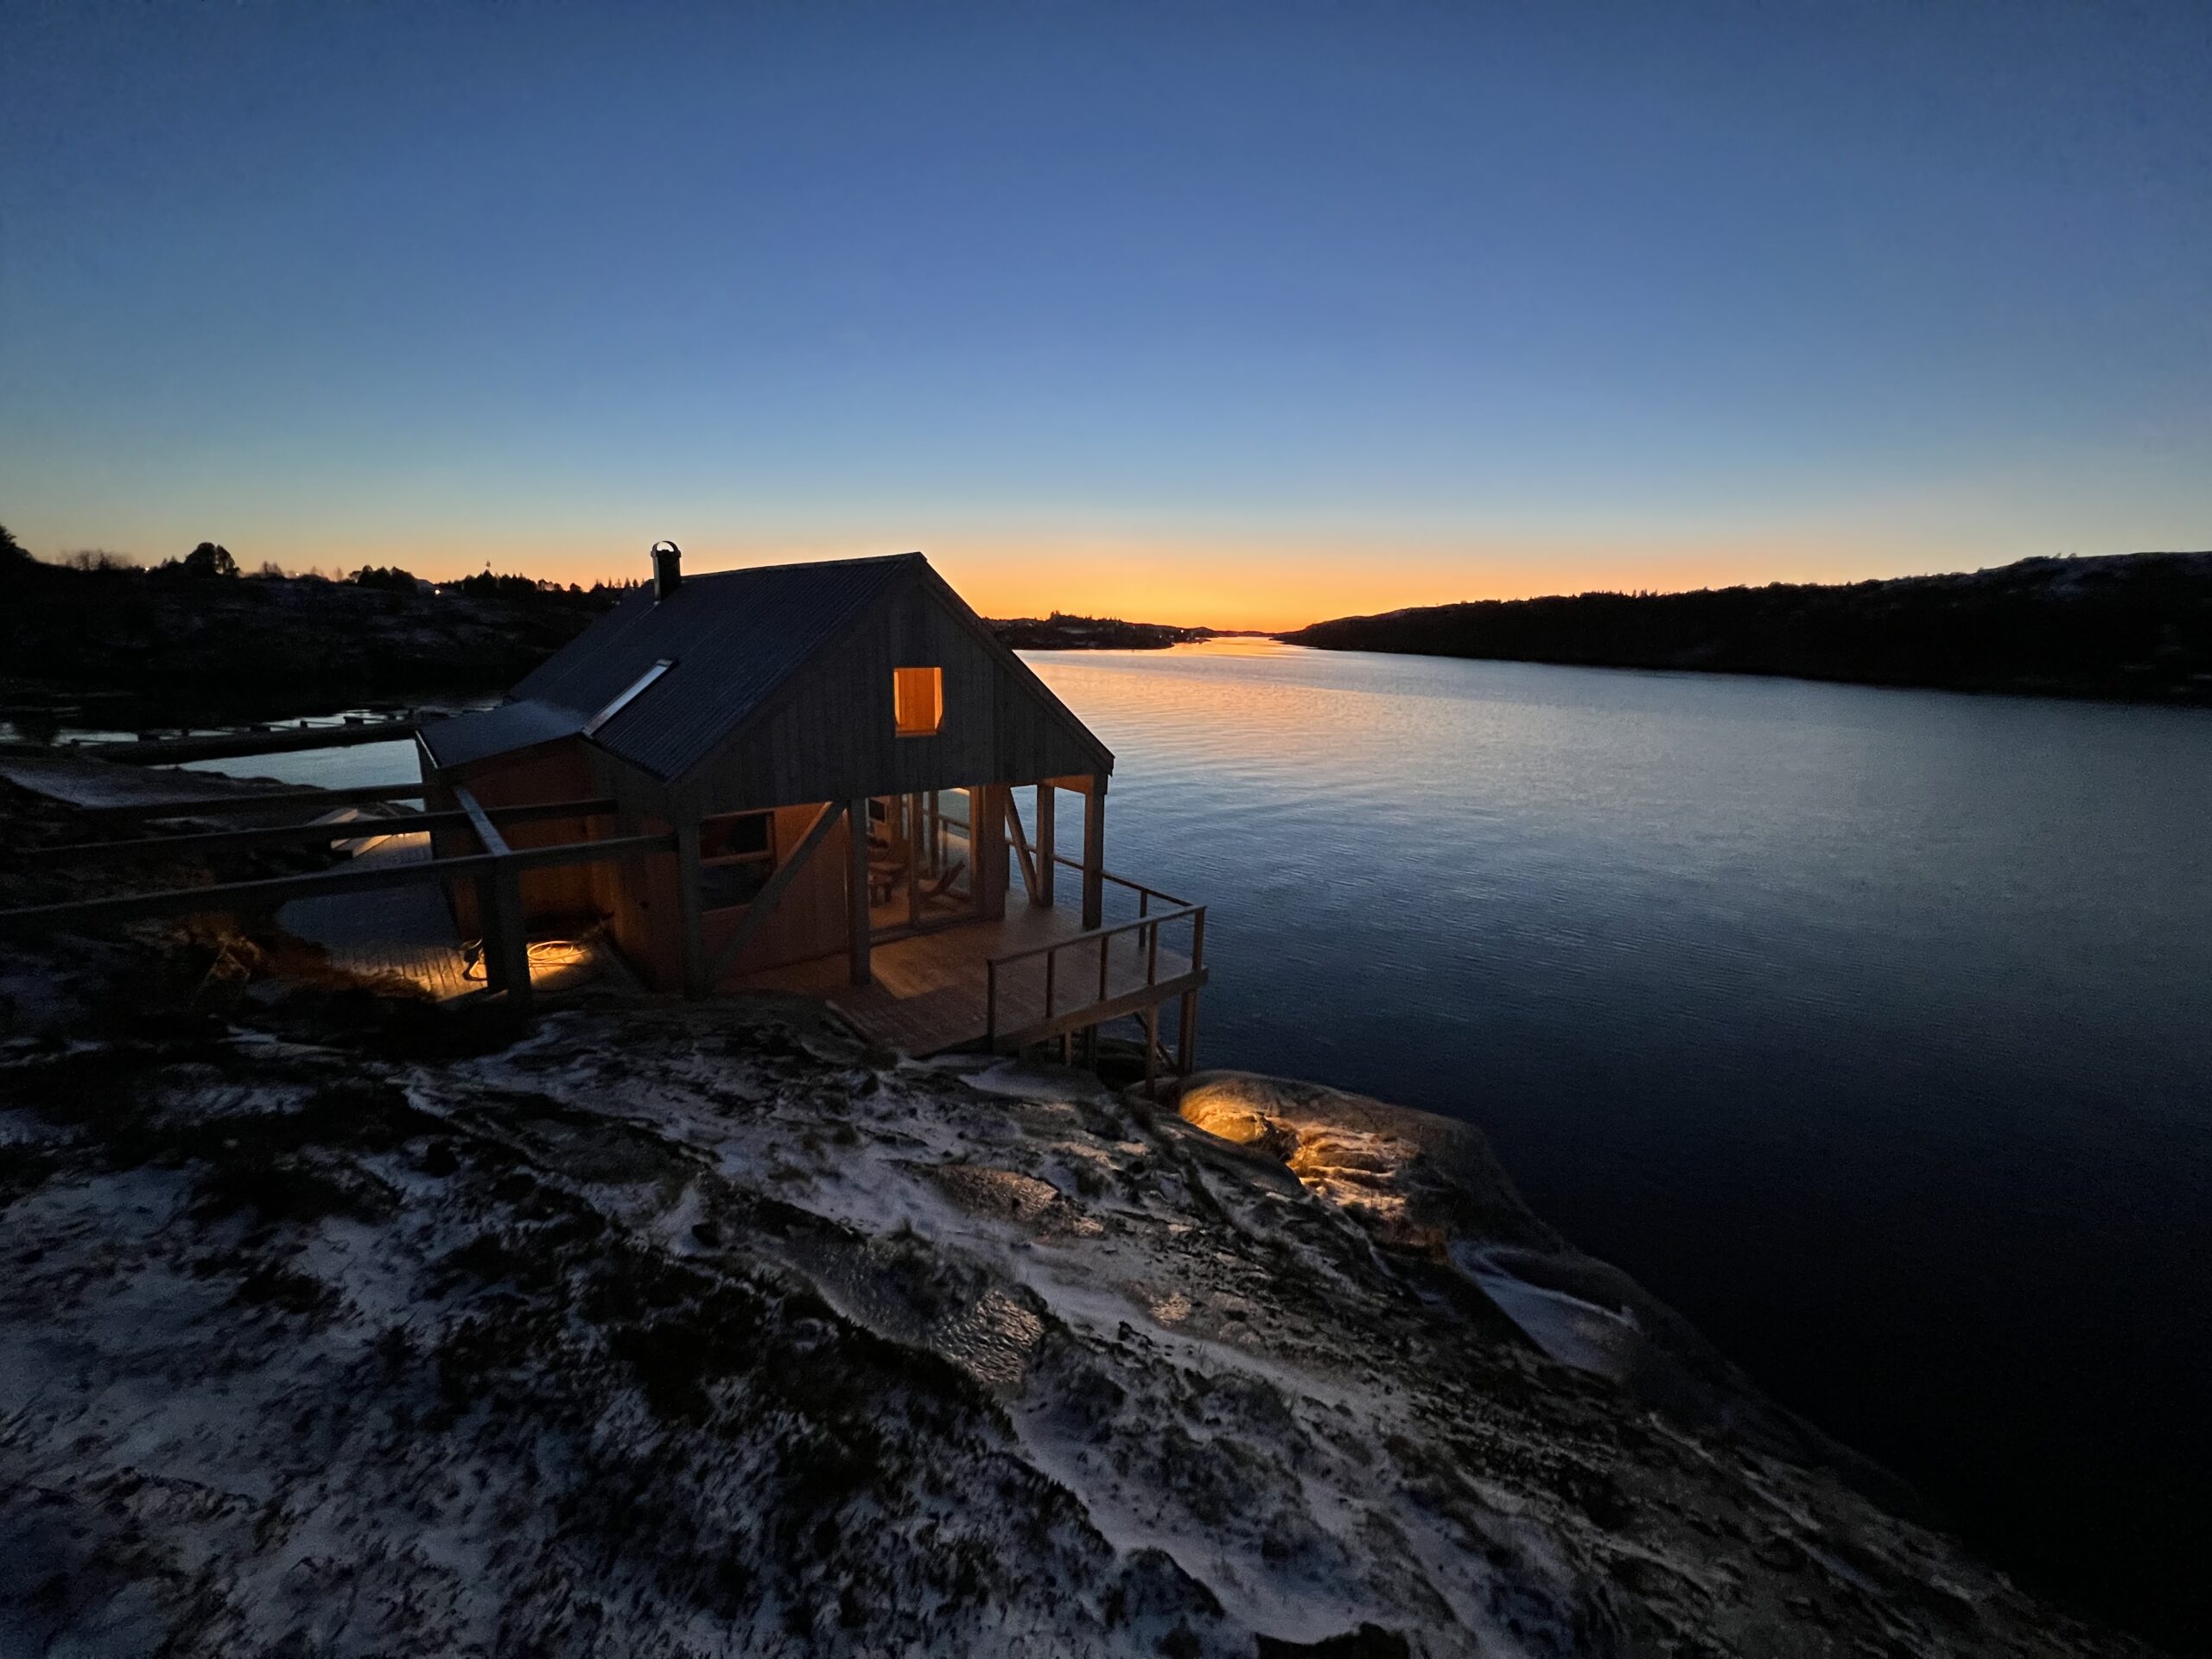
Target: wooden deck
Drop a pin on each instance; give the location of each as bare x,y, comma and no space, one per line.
409,931
930,990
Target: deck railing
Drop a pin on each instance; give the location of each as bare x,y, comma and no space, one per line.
1107,999
1145,895
497,871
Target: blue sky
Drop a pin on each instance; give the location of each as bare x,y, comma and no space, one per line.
1242,316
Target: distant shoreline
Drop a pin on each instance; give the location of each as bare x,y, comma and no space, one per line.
120,646
1062,632
2133,628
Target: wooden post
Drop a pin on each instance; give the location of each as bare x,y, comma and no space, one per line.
1044,893
463,800
914,861
1093,852
856,899
487,920
1190,1034
498,900
688,909
987,805
505,942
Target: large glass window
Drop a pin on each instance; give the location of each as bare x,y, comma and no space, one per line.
920,856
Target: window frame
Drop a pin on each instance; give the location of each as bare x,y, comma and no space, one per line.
899,727
766,856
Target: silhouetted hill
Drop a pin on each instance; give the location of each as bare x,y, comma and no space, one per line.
2135,626
244,641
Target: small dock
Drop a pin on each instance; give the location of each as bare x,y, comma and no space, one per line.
395,932
934,991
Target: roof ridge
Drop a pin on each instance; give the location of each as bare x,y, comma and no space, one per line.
803,564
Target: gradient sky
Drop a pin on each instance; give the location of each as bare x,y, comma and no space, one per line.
1232,315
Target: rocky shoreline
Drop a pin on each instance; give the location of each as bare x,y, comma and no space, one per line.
339,1323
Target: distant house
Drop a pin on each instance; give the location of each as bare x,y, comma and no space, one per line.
835,748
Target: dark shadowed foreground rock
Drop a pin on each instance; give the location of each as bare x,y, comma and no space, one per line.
710,1330
1429,1190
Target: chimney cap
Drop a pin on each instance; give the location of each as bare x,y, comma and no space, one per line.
667,568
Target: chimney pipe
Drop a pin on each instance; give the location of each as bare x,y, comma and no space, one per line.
668,573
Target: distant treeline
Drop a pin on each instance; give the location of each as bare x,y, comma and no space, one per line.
1060,631
213,559
199,636
2134,626
198,631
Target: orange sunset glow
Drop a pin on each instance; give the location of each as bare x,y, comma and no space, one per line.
1221,584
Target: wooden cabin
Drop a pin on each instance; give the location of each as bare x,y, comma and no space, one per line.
842,753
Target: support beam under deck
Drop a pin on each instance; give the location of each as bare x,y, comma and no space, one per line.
1094,853
857,895
691,911
1042,894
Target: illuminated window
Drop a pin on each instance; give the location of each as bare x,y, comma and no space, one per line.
918,700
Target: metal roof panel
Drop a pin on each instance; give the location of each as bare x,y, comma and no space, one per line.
522,724
732,638
728,639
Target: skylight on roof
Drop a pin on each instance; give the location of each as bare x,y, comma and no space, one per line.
623,702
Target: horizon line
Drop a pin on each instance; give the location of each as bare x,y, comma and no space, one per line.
339,573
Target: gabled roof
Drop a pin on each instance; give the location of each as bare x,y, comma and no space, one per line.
728,638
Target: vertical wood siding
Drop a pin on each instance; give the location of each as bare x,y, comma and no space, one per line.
832,735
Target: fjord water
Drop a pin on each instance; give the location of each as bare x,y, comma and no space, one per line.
1873,1029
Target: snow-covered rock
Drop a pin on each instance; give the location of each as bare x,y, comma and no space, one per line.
692,1331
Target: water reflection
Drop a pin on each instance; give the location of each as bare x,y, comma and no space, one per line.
1868,1026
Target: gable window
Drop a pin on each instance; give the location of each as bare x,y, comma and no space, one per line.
918,700
737,854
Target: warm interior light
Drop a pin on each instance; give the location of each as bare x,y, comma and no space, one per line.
918,700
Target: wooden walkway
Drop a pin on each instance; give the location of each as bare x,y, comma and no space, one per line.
409,931
931,991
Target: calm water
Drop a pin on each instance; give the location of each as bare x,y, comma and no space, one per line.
1870,1028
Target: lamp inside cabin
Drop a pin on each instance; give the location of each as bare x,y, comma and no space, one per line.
918,700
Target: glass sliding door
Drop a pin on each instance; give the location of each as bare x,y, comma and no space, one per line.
921,860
